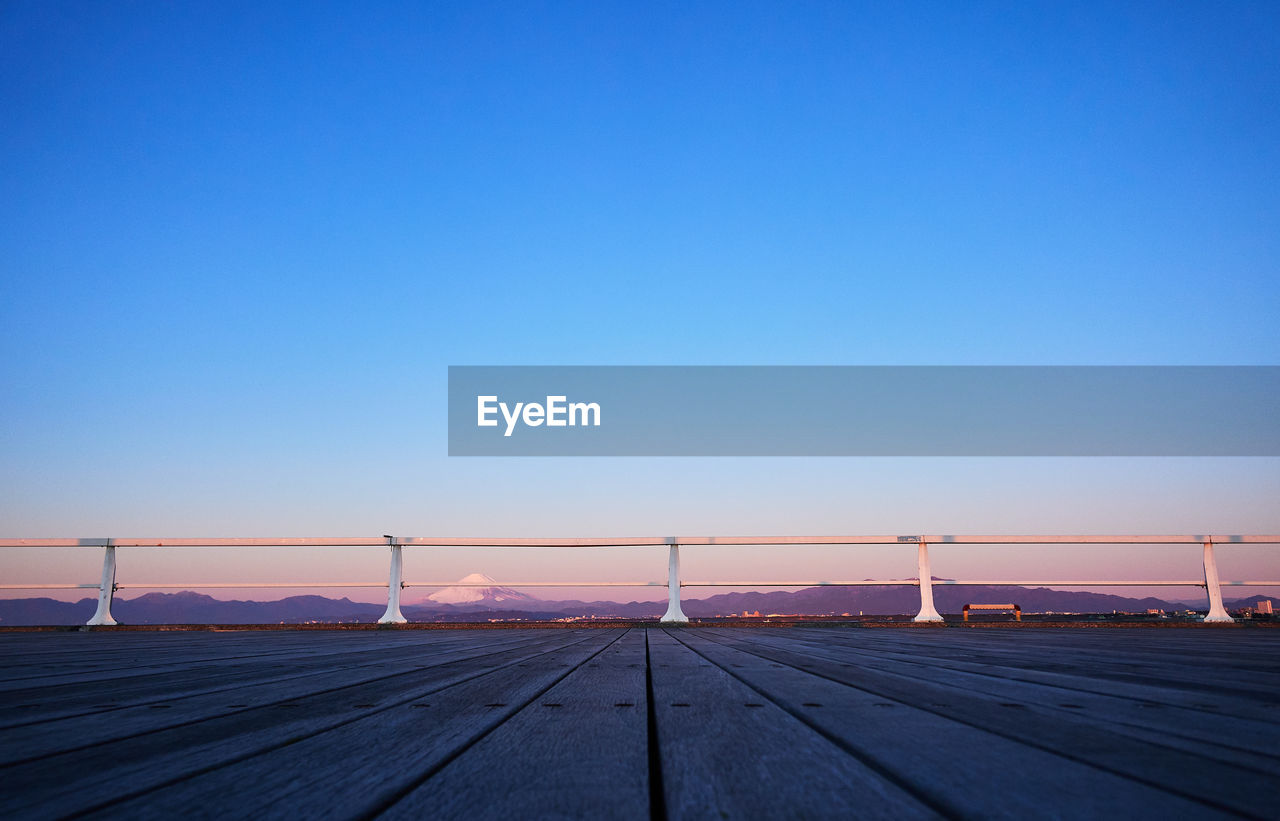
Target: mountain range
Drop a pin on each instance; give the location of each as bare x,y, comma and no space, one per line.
493,602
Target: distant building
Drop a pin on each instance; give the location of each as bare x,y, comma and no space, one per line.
1264,606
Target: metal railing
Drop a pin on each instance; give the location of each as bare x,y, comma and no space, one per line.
396,583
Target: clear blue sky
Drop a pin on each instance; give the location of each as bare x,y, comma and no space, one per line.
243,241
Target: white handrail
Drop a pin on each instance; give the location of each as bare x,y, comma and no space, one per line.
440,541
395,584
643,541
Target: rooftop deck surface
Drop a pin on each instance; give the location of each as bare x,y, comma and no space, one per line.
800,722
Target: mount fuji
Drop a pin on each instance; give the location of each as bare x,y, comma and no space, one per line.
490,593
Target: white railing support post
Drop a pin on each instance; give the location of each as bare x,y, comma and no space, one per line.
107,589
927,611
674,613
394,586
1217,613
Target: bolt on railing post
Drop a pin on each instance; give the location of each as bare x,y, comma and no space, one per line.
1217,613
927,611
394,586
674,613
107,589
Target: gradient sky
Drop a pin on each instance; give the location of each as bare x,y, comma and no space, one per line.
242,242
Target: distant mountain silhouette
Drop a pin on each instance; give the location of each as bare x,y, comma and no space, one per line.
197,608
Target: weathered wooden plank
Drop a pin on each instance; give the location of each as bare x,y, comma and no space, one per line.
158,665
1235,648
1005,692
87,667
1211,716
377,757
115,724
968,771
1179,660
1187,720
1076,672
1197,777
103,774
580,750
725,752
1152,680
1111,641
112,650
147,687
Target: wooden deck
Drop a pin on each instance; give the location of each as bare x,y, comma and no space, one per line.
803,722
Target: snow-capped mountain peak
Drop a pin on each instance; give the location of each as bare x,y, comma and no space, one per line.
491,591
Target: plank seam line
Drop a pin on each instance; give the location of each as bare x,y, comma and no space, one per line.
1068,756
657,791
400,794
879,769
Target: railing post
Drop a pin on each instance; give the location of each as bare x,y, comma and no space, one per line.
107,589
1217,613
927,611
674,613
394,586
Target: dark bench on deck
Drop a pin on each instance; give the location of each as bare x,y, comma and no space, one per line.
1017,611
